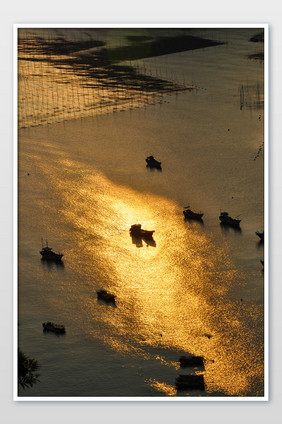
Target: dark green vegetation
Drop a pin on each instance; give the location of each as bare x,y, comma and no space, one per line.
27,367
133,38
158,47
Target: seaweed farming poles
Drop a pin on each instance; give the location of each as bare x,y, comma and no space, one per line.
61,80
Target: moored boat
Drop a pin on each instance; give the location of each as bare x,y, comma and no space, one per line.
227,220
152,162
107,297
136,230
192,215
190,361
55,328
260,235
48,254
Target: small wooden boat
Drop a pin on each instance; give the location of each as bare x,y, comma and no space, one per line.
136,230
48,254
152,162
260,235
107,297
227,220
190,361
55,328
192,215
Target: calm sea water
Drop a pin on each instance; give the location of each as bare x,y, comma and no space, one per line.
200,289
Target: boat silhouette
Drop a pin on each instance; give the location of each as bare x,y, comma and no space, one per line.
48,254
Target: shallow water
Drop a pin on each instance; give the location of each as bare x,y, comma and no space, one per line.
200,288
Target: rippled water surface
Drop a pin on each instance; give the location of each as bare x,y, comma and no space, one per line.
196,287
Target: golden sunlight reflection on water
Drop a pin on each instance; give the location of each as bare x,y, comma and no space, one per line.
162,387
173,295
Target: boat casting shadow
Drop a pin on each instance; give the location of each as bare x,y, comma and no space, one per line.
51,264
46,332
226,228
138,241
109,303
191,221
154,168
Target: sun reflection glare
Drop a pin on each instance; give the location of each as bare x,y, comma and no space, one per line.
162,387
171,295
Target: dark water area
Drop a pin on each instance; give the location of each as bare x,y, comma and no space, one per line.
83,181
